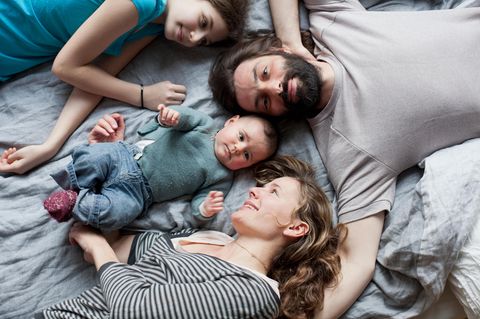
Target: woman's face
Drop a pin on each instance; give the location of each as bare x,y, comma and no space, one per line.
268,209
194,22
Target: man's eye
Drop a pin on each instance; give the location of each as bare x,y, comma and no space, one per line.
203,22
265,103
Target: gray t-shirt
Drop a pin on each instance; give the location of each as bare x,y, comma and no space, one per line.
406,85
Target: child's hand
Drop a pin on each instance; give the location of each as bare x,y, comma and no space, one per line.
167,117
213,204
110,128
163,93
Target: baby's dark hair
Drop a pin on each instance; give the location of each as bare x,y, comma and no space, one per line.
271,133
234,13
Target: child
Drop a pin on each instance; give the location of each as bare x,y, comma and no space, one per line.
181,155
76,33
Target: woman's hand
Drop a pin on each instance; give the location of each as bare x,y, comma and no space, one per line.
110,128
163,93
95,247
24,159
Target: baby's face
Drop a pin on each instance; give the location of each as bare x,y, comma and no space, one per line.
241,143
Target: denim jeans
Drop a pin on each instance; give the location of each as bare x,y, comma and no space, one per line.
112,190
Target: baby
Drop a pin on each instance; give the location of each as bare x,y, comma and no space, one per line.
108,185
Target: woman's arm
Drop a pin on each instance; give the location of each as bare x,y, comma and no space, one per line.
358,254
287,26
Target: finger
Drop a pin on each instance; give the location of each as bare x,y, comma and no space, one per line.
175,97
98,130
120,121
112,121
105,123
179,88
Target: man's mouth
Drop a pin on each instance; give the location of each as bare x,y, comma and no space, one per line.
292,90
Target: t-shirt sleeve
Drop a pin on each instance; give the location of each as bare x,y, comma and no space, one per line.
149,10
364,185
332,5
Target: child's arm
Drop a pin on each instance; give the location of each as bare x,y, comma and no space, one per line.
73,63
110,128
212,205
76,109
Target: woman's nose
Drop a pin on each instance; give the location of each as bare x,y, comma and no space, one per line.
254,191
196,36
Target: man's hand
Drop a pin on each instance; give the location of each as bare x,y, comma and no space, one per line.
213,204
167,117
110,128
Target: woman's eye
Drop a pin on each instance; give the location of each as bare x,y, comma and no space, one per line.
265,72
247,155
241,137
203,42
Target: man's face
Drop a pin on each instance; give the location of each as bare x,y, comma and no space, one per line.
274,84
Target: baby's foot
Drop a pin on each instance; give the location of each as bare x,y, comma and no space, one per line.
60,205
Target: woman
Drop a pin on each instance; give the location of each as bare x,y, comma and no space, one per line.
76,33
284,231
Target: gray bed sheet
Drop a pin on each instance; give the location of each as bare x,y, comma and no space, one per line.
38,267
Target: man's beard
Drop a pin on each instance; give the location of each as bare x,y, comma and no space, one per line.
308,86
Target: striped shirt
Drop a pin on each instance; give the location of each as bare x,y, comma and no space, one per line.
165,283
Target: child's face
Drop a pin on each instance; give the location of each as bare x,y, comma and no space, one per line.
241,143
194,22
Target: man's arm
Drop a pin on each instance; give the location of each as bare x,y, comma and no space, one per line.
287,26
358,253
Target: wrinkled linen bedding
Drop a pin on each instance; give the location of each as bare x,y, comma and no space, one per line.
434,207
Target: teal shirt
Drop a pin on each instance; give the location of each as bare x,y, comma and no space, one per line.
33,31
182,160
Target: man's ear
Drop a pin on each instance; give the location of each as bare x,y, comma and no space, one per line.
297,229
231,120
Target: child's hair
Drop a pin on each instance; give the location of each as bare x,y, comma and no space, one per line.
270,130
311,264
234,13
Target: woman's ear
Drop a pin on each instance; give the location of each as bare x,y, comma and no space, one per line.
297,229
231,120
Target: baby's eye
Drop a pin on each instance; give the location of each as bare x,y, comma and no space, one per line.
265,72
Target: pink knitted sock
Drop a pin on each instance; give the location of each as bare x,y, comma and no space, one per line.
60,205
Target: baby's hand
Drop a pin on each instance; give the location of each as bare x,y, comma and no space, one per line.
167,117
110,128
213,204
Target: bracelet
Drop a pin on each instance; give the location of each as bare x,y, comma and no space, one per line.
141,96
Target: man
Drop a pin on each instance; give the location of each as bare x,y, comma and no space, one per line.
386,90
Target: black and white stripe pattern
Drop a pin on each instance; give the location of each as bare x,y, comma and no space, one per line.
165,283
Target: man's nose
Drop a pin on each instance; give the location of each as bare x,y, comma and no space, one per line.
273,86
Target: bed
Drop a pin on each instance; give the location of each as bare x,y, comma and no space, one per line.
435,208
